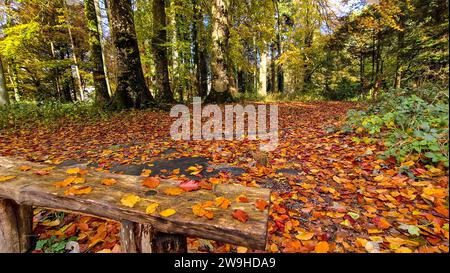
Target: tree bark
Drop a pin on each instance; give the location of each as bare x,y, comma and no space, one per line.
162,85
4,98
131,88
200,62
101,88
262,87
221,83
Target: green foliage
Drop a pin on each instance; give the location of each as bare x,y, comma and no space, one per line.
344,90
48,114
414,125
53,244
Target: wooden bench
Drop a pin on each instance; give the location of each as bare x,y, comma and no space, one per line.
140,232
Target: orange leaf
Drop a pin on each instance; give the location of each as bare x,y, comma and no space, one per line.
78,190
305,236
68,181
167,212
261,205
322,247
222,202
240,215
109,181
151,182
242,199
24,168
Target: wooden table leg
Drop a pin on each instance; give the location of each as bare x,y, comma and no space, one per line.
16,222
142,238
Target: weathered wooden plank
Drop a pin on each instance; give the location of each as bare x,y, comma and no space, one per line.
104,201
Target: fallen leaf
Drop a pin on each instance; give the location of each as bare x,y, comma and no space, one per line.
109,181
261,205
190,185
222,202
173,191
240,215
68,181
167,212
242,199
73,171
151,182
130,200
322,247
151,208
78,190
304,236
6,178
25,168
241,249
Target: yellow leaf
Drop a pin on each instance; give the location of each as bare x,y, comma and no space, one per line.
222,202
130,200
79,180
6,178
403,249
151,208
305,236
173,191
167,212
73,171
53,223
241,249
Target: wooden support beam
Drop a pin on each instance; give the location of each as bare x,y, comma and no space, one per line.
16,222
143,238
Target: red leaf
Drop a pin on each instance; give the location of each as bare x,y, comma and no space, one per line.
190,185
240,215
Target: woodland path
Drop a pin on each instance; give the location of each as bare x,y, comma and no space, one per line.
330,194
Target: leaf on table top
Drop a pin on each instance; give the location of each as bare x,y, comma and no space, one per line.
167,212
68,181
222,202
240,215
79,180
6,178
151,208
261,205
43,171
173,191
129,200
242,199
73,171
109,181
190,185
201,210
78,190
25,168
151,182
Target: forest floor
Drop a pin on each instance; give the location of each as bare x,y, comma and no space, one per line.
330,192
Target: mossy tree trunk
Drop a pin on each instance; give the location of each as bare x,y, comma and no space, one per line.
4,99
131,88
162,85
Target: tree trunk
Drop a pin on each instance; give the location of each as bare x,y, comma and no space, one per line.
101,88
131,88
262,87
162,85
201,73
102,43
280,74
221,83
273,70
75,62
4,99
